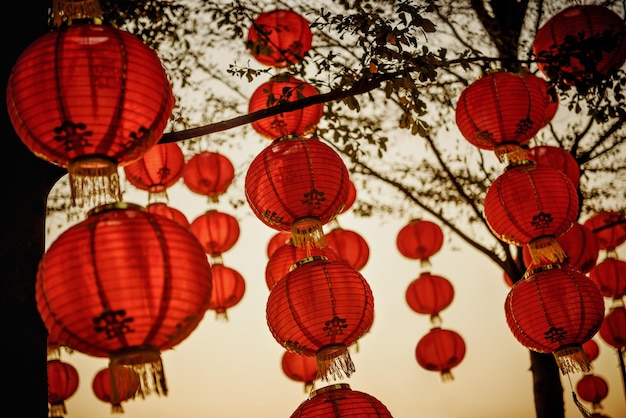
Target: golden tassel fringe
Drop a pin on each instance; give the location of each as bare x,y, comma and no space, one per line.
572,359
117,409
510,153
584,411
306,231
58,409
446,375
334,361
94,181
546,250
146,362
64,11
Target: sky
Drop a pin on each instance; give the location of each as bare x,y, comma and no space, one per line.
231,368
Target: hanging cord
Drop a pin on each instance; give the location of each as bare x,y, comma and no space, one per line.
584,411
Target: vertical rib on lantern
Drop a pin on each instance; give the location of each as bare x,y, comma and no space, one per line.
229,287
429,294
419,240
339,400
115,388
62,385
349,246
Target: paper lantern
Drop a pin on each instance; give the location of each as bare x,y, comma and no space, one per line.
502,111
429,294
351,197
591,349
609,227
297,184
280,89
558,158
530,204
299,368
279,38
62,385
613,329
115,387
440,350
126,285
157,170
216,231
229,287
162,209
555,309
603,48
340,401
550,93
349,246
277,240
610,276
209,174
419,240
89,97
320,308
592,388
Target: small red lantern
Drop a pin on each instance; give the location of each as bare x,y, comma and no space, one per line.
89,97
613,329
319,309
592,388
349,246
277,240
609,227
126,285
297,184
591,349
429,294
340,401
209,174
229,287
299,368
216,231
531,204
162,209
280,89
419,240
115,387
157,170
440,350
610,276
558,158
555,309
62,385
279,38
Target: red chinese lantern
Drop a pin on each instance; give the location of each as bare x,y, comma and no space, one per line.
531,204
229,287
319,309
93,281
351,197
609,227
297,184
216,231
440,350
157,170
558,47
279,38
62,385
579,245
555,309
592,388
299,368
349,246
280,89
340,401
613,329
429,294
115,387
89,97
277,240
209,174
558,158
419,240
551,96
502,111
162,209
591,349
610,276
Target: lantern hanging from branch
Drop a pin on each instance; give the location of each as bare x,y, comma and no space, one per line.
429,294
349,245
62,385
216,231
115,387
340,401
440,350
209,174
229,288
419,240
299,368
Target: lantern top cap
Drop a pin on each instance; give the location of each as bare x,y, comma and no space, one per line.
115,206
70,11
329,388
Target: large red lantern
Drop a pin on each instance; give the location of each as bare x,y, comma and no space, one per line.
556,157
440,350
319,309
592,388
299,368
340,401
279,38
280,89
610,276
229,287
216,231
297,184
115,387
531,204
209,174
126,285
419,240
609,227
555,309
613,329
89,97
349,246
579,41
62,385
429,294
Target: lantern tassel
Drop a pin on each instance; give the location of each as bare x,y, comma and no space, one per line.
307,230
446,375
580,406
146,362
546,250
117,409
572,359
334,361
58,409
510,153
94,181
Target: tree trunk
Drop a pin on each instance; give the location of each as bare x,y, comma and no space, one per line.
547,386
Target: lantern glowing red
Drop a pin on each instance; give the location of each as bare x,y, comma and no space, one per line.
209,174
613,329
531,204
92,288
555,309
229,287
216,231
349,246
429,294
284,259
162,209
440,350
602,33
115,387
299,368
558,158
279,38
340,401
501,111
610,276
591,349
319,309
609,227
89,97
281,89
419,240
62,385
297,184
592,388
277,240
157,170
351,197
